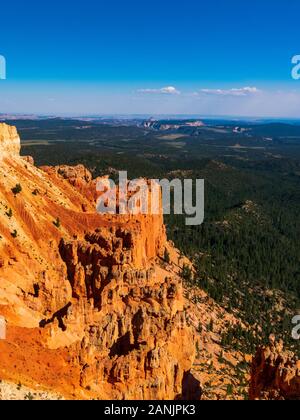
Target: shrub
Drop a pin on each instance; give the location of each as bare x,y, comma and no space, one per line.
186,274
9,213
167,256
229,389
57,223
17,189
14,234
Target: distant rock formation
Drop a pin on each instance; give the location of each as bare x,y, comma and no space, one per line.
275,374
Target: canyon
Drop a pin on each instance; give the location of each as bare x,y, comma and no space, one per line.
93,309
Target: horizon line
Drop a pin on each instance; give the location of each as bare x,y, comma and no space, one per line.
141,116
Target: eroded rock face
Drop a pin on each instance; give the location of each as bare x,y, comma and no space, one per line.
9,140
275,374
91,312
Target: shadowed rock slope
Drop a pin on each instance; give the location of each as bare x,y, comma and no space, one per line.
275,374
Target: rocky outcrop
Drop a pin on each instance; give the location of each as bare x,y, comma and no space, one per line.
136,330
275,374
18,392
9,140
91,311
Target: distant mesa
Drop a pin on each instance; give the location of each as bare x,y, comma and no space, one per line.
171,124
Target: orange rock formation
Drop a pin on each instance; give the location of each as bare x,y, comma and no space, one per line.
91,312
275,374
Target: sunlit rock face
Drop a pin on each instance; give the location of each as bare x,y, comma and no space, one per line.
9,140
91,311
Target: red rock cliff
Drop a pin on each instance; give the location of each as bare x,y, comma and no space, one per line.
91,312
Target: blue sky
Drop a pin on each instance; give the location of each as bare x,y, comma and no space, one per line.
212,57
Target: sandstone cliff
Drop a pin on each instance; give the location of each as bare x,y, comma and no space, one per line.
91,311
9,140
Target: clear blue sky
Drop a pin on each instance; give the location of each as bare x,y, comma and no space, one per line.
119,56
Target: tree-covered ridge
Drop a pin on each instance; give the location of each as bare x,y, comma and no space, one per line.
247,252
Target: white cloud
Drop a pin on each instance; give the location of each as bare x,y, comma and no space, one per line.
245,91
168,90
